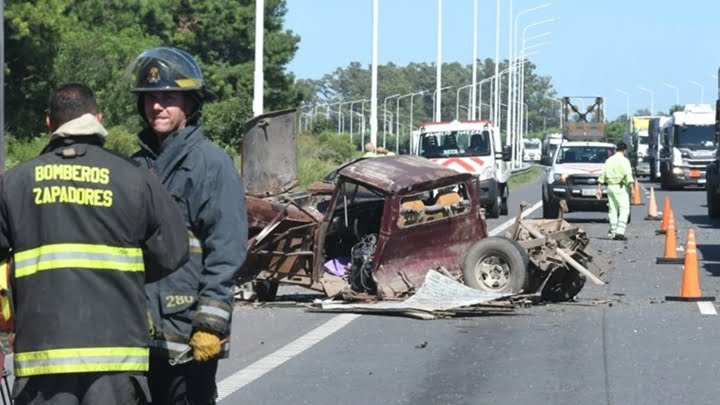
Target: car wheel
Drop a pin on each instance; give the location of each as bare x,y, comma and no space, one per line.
497,265
493,210
550,210
713,208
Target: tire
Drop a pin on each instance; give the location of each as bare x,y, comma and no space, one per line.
550,210
496,265
493,210
504,194
713,208
563,285
265,291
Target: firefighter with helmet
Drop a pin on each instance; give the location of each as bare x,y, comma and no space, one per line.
86,228
191,310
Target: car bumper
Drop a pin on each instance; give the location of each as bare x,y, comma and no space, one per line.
689,177
643,169
577,198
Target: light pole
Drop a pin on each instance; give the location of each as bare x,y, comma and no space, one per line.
677,92
374,76
362,138
352,103
627,102
496,105
420,93
513,100
385,118
258,79
652,98
480,85
474,62
513,78
438,72
438,118
341,122
702,90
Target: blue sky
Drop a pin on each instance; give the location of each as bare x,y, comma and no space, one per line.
595,47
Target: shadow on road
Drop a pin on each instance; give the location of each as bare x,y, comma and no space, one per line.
710,259
702,221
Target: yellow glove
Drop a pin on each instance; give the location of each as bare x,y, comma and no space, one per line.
205,345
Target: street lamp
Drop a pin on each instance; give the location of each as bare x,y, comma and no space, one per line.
677,92
627,102
652,98
702,90
397,115
352,103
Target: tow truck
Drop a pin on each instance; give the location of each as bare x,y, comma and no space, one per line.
578,162
469,147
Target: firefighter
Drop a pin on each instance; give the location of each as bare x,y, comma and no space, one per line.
192,308
80,224
617,176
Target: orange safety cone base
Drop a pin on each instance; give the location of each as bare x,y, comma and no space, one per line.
660,232
690,299
649,218
670,260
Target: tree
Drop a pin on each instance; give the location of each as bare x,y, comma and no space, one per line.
93,41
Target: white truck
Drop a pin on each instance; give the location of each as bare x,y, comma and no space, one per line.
532,149
689,146
637,139
471,147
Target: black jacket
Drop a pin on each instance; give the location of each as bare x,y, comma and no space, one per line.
208,190
78,222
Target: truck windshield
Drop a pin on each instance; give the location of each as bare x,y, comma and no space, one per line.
455,144
584,154
644,140
694,136
532,146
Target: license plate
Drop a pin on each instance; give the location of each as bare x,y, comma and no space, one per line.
694,173
701,181
588,192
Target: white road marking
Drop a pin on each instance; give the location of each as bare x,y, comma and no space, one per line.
256,370
707,308
511,221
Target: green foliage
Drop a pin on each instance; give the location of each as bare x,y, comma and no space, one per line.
314,161
51,42
19,150
224,121
525,178
336,147
122,141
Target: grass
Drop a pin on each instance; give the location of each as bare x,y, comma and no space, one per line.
524,178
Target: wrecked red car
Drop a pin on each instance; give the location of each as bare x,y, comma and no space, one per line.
383,223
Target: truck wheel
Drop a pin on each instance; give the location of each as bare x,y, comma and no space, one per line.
493,210
563,285
550,210
496,265
504,194
713,208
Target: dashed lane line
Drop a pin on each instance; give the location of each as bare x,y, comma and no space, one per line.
511,221
707,308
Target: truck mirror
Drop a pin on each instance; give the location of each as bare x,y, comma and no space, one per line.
506,153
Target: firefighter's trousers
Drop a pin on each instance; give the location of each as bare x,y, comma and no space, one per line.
82,388
618,208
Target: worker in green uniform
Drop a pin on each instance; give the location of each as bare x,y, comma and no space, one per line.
617,176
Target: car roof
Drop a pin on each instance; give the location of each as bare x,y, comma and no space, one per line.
401,174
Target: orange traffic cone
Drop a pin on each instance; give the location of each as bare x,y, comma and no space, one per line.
636,194
665,216
671,256
690,288
652,213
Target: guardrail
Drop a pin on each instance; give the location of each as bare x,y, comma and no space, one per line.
524,169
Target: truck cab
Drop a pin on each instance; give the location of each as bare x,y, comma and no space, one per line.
532,149
638,141
655,146
469,147
549,146
689,146
713,169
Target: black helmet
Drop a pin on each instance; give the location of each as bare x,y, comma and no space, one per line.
168,69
